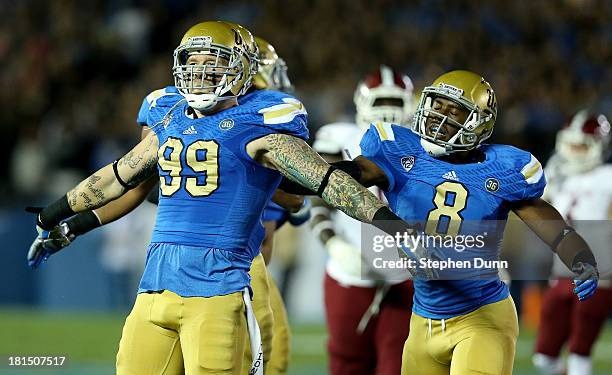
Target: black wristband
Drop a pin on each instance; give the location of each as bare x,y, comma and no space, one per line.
567,230
584,256
325,180
57,211
83,223
350,167
385,220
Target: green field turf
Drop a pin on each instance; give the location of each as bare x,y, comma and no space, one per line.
90,341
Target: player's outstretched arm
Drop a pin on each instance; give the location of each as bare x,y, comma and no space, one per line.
362,169
62,235
297,161
300,163
545,221
105,185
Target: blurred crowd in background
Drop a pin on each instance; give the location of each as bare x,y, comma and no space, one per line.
74,73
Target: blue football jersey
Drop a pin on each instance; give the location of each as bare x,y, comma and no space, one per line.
454,199
212,193
170,93
272,212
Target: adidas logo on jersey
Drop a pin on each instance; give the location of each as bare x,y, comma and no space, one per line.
191,130
451,176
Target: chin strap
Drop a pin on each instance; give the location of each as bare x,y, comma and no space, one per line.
196,101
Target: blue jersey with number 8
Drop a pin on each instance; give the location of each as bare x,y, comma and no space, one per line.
454,200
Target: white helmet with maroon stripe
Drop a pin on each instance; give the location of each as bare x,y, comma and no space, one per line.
583,142
384,95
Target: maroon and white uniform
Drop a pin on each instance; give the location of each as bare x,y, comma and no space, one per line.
367,310
580,188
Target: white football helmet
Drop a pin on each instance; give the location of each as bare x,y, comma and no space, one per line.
332,138
583,143
386,96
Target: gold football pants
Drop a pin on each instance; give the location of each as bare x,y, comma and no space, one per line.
480,342
166,334
281,339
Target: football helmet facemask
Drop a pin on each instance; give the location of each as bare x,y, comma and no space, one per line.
583,142
473,94
386,96
224,71
272,74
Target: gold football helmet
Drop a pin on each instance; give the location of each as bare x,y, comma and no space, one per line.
272,72
473,94
212,63
252,49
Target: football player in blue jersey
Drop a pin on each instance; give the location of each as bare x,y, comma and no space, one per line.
440,173
267,303
218,164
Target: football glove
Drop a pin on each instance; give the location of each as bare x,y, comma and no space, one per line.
416,254
48,243
586,280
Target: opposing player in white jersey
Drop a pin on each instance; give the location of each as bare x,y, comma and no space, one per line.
366,316
580,187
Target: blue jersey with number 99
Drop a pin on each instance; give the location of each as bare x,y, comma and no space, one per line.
212,193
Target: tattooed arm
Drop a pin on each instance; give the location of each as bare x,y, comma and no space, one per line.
293,158
103,186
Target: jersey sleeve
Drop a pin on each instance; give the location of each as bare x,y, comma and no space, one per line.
526,179
287,116
534,179
160,99
143,113
373,147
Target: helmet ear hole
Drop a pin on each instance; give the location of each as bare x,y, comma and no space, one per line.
472,121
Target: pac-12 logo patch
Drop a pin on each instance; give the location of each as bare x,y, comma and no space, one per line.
226,124
407,162
492,185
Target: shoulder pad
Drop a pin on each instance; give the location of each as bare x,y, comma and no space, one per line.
384,130
284,112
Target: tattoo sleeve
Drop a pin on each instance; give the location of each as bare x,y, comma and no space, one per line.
300,163
103,187
140,163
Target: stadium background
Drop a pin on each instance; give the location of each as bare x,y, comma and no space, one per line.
73,74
